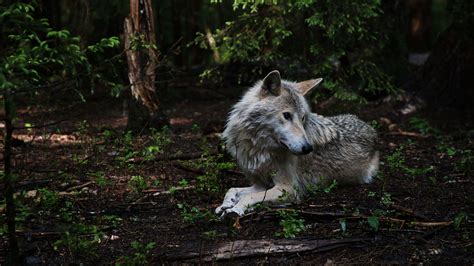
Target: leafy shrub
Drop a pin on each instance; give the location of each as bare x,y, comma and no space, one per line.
291,224
140,256
340,41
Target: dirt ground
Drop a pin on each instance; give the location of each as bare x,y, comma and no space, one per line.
88,192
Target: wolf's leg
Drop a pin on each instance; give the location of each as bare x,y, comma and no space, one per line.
247,201
233,195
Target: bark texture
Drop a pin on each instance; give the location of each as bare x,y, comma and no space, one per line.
142,57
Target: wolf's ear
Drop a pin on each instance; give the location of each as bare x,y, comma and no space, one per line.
272,83
307,86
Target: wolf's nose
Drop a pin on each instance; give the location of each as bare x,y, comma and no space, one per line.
307,148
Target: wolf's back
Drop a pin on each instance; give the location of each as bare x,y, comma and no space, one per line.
352,129
347,153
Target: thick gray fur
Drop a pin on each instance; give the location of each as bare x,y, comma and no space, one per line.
267,147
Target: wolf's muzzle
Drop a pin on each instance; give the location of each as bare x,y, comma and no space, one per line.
307,148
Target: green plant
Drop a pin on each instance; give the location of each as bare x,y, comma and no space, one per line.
375,124
386,199
125,145
212,234
270,34
100,179
172,190
141,255
396,160
35,61
79,240
49,199
194,215
422,125
195,128
159,139
66,212
291,224
212,165
433,180
113,220
137,183
465,163
331,186
459,220
446,148
373,222
183,183
415,172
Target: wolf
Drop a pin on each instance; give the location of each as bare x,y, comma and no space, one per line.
284,149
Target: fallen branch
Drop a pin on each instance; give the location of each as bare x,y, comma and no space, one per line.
356,217
29,234
408,211
415,223
44,125
175,157
408,134
251,248
169,191
30,184
188,169
80,186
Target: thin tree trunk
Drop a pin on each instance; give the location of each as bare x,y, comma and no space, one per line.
142,58
419,32
13,250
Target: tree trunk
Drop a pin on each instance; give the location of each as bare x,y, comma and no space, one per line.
419,32
13,250
142,57
446,78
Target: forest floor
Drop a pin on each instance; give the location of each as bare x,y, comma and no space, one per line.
90,192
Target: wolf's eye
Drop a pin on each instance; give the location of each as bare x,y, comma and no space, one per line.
303,118
287,116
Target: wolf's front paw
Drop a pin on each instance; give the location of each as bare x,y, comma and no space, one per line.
221,209
233,212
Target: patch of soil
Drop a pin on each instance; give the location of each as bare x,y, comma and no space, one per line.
102,177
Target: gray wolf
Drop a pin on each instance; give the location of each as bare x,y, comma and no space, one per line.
284,148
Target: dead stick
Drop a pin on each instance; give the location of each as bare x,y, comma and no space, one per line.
44,125
80,186
176,157
188,169
166,192
408,134
408,211
352,216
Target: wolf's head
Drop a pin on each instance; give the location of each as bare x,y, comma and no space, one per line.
286,111
273,113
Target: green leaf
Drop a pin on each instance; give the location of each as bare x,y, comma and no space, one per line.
373,222
459,220
343,224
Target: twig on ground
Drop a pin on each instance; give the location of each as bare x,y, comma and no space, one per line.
175,157
166,192
188,169
358,217
30,184
44,125
408,211
408,134
80,186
